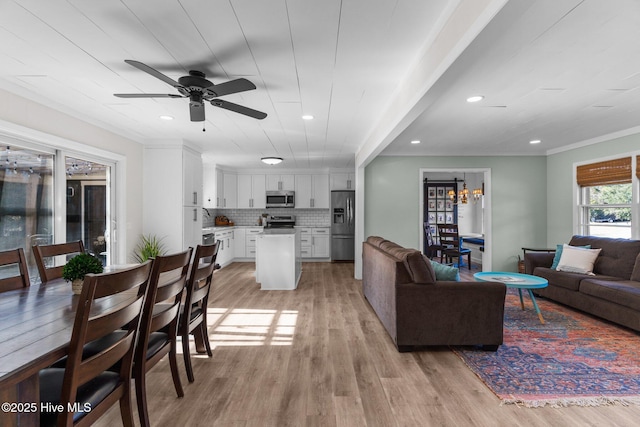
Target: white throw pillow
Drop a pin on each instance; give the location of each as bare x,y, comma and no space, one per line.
578,260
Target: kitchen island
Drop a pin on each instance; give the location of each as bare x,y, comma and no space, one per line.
278,261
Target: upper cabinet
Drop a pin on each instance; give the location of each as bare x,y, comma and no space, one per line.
312,191
209,191
280,182
251,191
342,181
192,178
229,196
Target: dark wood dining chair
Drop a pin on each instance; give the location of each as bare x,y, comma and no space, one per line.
433,247
193,320
110,306
159,325
450,237
42,252
16,258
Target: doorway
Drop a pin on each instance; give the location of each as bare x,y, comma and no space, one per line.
472,215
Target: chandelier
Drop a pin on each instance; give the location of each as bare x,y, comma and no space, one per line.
463,195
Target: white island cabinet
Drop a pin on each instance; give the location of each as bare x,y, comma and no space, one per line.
278,262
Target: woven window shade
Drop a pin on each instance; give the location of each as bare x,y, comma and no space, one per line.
602,173
638,166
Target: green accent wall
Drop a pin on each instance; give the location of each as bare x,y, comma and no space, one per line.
561,196
518,191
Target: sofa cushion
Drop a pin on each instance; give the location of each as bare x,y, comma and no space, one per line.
419,269
578,260
387,245
445,272
399,252
622,292
617,258
376,240
561,279
558,254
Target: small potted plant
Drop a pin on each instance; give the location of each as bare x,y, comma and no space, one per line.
77,267
149,247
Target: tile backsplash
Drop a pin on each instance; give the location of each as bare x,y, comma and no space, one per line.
304,217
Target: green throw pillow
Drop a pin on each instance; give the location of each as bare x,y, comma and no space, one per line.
556,258
445,272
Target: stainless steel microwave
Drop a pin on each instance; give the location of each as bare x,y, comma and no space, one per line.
280,199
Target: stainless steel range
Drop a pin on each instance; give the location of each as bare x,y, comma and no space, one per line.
281,221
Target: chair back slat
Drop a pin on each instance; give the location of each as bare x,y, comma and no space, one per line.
42,253
21,280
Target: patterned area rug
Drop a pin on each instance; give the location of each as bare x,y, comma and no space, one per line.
573,359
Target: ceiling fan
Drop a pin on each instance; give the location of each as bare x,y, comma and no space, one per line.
198,89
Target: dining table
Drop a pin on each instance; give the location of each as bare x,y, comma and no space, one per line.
35,330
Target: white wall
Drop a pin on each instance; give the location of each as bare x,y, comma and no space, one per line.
518,197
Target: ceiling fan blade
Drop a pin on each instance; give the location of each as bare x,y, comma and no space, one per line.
155,73
238,109
196,111
232,86
147,95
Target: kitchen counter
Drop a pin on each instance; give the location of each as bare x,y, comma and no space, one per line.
278,261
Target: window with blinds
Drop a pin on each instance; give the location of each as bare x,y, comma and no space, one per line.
606,197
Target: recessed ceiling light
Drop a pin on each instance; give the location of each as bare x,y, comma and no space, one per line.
166,117
271,160
307,117
415,141
535,141
475,98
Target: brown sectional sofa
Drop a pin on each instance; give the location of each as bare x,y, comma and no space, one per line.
613,293
417,310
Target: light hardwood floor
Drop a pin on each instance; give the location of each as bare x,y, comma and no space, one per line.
318,356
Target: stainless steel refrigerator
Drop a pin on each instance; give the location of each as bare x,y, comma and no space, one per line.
342,225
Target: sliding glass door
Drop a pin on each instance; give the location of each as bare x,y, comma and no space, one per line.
88,205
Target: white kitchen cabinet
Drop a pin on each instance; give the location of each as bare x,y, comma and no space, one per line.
320,247
250,241
343,181
278,263
280,182
305,241
171,174
238,242
229,197
314,242
192,178
209,190
227,247
312,191
251,191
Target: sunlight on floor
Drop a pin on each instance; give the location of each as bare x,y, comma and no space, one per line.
251,327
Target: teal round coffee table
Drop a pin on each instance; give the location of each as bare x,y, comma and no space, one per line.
518,281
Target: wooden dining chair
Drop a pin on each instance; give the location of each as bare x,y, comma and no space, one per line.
159,325
433,247
450,237
110,306
193,320
16,258
42,252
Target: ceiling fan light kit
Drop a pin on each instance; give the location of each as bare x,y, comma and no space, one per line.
271,160
198,89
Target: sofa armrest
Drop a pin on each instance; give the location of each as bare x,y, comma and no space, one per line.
537,259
